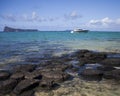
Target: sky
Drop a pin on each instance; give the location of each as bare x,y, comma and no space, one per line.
61,14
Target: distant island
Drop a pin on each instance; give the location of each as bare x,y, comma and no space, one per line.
9,29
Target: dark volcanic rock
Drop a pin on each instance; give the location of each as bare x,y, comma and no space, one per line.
80,53
56,76
18,76
95,56
105,68
91,74
24,68
114,74
53,67
111,62
7,86
91,57
33,75
48,83
4,75
57,67
27,93
108,75
86,61
26,85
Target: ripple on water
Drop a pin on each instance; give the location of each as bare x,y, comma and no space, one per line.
11,60
113,55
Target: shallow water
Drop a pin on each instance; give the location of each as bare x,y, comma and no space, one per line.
17,46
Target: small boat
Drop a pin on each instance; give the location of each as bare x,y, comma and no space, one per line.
80,30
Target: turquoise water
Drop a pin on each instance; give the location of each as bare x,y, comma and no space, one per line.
15,46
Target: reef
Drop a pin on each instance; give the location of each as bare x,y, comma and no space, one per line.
81,73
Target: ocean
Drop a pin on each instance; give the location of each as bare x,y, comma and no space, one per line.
17,46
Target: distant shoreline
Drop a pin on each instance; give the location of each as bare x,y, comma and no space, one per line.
60,31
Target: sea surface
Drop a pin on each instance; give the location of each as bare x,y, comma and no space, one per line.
16,46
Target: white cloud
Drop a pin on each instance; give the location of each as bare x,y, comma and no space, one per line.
72,16
33,17
105,22
118,21
9,17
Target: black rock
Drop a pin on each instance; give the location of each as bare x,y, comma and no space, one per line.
105,68
27,93
56,67
91,57
114,74
111,62
24,68
7,86
47,83
18,76
80,53
4,75
57,76
33,75
91,74
26,85
95,56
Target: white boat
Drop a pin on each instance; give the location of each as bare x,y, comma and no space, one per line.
80,30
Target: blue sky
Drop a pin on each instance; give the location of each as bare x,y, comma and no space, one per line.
60,14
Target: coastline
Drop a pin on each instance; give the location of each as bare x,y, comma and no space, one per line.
61,76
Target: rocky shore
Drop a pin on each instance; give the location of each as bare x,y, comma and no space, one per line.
81,73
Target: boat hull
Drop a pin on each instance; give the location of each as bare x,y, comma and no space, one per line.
81,31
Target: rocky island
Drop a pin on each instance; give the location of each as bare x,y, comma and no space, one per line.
9,29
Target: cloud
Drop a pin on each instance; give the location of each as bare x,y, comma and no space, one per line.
118,21
9,17
33,17
105,22
72,16
53,19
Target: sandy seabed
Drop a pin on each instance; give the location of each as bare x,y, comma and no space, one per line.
78,87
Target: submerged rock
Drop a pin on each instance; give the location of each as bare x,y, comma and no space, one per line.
95,56
56,67
24,68
91,74
91,57
26,85
33,75
111,62
4,75
18,76
48,84
26,93
114,74
56,76
7,86
25,79
106,68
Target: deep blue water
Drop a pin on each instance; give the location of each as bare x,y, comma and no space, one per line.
15,46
